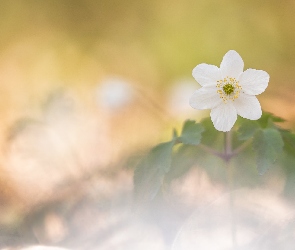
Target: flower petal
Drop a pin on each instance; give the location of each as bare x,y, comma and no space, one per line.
205,98
232,64
248,106
206,74
253,81
224,116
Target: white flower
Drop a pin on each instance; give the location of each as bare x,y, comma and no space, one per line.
229,91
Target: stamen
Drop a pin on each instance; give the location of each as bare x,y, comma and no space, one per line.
228,89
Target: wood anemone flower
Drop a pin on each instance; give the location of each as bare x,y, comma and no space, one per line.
228,91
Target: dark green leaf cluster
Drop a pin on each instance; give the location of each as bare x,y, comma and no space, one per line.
267,139
256,147
149,174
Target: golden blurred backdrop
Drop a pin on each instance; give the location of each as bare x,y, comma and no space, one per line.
85,84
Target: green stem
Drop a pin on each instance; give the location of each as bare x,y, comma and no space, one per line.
228,153
227,146
227,156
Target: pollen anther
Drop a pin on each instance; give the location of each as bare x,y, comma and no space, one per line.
228,89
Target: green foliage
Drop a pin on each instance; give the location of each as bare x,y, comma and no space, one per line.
182,160
268,119
149,174
268,145
201,145
247,130
210,136
288,163
191,133
160,156
289,141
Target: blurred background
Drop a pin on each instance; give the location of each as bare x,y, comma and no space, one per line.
87,87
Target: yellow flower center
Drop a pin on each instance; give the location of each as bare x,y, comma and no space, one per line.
228,89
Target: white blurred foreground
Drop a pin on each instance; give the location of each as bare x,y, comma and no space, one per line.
260,220
36,248
74,189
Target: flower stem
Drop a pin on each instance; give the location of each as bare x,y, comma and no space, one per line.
227,146
211,150
228,153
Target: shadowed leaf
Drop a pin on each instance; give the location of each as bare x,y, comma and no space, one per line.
289,141
149,174
247,129
191,133
268,145
268,119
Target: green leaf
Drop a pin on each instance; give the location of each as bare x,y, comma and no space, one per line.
268,119
247,129
160,156
183,159
268,145
174,134
289,168
191,133
149,174
289,141
211,137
